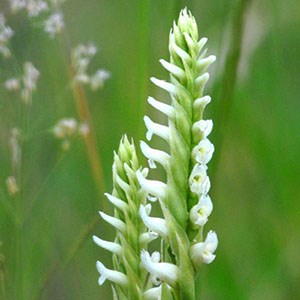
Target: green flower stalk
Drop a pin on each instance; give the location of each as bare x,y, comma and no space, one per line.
129,277
183,198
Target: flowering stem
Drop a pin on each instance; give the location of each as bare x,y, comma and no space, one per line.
85,117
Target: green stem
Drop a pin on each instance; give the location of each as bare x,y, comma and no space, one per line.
228,84
142,65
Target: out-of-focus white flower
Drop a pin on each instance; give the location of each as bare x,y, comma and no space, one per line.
15,149
12,185
16,5
201,211
199,181
54,24
81,59
12,84
29,79
35,7
5,35
204,252
83,129
65,128
97,80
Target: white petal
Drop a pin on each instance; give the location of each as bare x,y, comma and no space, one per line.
110,246
167,86
202,42
201,103
155,128
180,52
204,252
153,293
166,109
146,237
202,79
204,127
154,187
203,63
203,152
173,69
124,185
201,211
120,204
154,154
112,275
118,224
166,272
199,181
157,225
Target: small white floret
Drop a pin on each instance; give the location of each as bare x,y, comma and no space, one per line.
204,127
115,222
199,181
203,152
201,211
109,246
154,187
155,128
204,252
54,24
112,275
165,272
157,225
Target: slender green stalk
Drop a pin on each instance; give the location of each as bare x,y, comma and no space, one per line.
143,54
229,77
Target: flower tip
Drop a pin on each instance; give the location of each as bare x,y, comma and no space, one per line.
101,269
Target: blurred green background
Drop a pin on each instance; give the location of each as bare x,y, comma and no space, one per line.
255,172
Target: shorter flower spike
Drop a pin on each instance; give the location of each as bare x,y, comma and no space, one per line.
204,252
166,272
201,211
112,275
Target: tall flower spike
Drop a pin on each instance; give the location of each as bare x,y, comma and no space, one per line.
129,277
183,198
